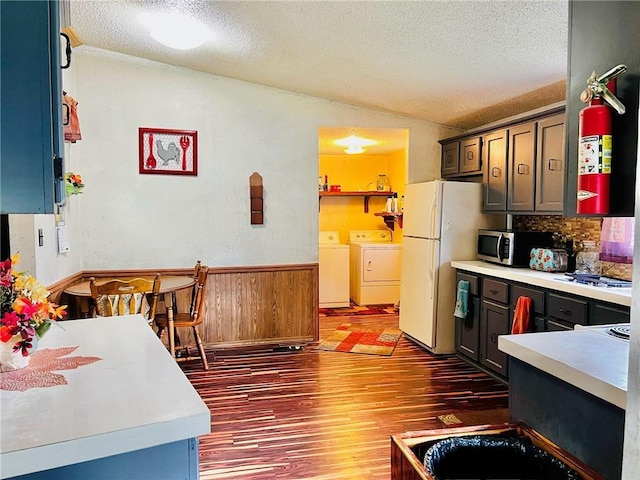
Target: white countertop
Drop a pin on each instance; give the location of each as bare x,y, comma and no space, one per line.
135,397
589,360
617,295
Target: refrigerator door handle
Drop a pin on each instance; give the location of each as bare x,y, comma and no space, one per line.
434,206
433,266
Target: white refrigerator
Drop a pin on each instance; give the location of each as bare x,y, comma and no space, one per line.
440,224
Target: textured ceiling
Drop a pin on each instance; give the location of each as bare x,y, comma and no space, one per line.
458,63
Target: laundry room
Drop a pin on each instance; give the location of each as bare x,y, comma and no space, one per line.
361,179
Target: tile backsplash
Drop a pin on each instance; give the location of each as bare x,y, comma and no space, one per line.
570,233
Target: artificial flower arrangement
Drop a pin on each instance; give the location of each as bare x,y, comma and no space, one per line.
73,185
25,312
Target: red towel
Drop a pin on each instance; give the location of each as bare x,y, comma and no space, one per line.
71,124
522,316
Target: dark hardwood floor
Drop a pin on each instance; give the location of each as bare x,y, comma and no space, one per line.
329,415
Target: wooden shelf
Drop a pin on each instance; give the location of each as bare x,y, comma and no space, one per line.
366,195
390,217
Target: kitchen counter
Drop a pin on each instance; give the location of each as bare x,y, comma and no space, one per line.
125,403
590,361
571,387
551,281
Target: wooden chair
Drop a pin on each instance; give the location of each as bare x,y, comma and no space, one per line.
126,297
191,319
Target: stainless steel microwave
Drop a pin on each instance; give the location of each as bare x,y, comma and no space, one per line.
508,247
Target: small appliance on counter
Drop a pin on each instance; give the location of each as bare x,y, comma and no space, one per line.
549,259
511,248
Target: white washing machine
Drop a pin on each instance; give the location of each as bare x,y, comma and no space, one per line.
375,264
333,271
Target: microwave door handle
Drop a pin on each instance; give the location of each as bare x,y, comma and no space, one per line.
499,252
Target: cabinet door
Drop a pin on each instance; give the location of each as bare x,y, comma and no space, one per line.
494,161
550,164
495,321
521,168
470,160
468,330
31,107
450,159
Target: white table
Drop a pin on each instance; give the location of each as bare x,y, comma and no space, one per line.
131,415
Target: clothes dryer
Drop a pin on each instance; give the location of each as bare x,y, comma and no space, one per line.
375,264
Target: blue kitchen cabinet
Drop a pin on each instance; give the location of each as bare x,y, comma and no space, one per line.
31,167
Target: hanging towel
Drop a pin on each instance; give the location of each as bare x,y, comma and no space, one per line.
462,300
522,316
71,122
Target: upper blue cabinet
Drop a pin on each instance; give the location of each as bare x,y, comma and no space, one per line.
31,170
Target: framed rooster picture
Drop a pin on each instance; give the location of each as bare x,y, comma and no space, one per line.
168,152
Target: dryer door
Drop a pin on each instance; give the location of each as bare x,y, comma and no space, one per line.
381,264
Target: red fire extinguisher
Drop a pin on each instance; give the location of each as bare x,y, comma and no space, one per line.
595,142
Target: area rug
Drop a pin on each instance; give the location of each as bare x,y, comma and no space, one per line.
360,339
354,309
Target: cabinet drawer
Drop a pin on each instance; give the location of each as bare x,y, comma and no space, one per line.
567,309
473,282
602,314
494,290
536,296
557,326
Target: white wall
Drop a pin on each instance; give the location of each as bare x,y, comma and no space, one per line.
44,261
130,220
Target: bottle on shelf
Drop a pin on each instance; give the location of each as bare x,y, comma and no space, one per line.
383,184
320,184
394,204
389,206
325,187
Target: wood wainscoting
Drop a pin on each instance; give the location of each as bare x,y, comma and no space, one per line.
249,305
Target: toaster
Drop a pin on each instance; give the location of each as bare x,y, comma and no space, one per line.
548,259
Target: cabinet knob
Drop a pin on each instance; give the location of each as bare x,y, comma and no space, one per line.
496,172
565,311
523,169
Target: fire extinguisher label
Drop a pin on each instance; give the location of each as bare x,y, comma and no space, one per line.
595,155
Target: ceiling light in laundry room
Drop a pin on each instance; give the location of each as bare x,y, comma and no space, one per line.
354,144
175,30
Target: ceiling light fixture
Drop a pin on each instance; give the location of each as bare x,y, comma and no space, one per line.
175,30
355,144
354,149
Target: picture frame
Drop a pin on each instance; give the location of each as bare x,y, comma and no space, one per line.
164,151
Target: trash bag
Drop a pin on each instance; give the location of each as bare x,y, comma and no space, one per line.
494,457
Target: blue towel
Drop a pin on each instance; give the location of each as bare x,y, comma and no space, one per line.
462,299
